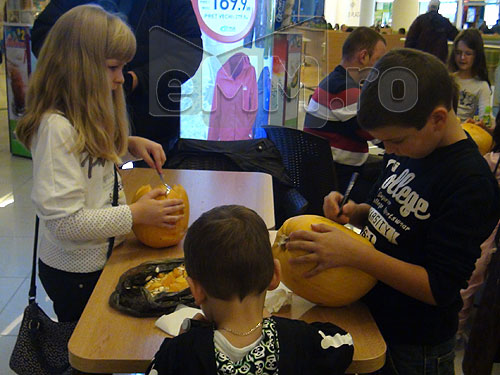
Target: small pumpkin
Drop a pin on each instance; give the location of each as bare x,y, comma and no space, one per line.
157,237
482,138
337,286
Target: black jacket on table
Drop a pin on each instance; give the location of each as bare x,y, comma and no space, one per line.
434,212
178,56
430,32
300,351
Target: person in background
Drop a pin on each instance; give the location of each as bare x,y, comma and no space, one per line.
333,107
181,53
496,92
401,31
426,216
467,62
495,29
343,27
430,32
77,130
483,28
488,247
230,266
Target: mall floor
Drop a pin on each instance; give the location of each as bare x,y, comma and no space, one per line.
16,234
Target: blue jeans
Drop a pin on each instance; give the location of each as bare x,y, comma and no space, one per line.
421,359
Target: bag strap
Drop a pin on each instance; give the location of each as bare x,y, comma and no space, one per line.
114,203
32,292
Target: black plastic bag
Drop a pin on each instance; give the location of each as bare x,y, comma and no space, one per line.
132,298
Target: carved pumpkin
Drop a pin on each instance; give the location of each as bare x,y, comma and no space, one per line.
482,138
337,286
154,236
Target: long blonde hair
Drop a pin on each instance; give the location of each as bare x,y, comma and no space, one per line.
71,78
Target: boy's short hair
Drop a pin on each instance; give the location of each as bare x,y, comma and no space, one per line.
227,250
403,89
359,39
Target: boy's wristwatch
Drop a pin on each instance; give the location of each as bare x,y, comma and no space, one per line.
186,324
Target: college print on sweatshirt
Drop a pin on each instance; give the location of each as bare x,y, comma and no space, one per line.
396,204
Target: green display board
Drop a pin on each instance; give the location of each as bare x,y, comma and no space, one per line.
16,147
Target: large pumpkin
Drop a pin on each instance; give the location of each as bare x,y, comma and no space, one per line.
337,286
154,236
482,138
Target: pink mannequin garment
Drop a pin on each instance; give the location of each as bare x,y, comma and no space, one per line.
235,101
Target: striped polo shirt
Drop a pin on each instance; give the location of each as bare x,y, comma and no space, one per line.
331,114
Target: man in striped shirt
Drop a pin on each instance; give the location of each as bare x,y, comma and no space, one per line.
333,107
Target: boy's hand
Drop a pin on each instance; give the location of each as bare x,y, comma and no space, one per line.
327,246
331,208
148,210
186,327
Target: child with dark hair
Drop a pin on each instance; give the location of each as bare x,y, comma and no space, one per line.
433,205
467,61
230,265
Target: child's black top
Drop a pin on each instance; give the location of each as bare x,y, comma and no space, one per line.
298,348
434,212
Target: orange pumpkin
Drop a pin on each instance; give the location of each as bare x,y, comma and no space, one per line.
154,236
482,138
337,286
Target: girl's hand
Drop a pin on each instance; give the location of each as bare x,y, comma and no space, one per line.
331,208
148,210
151,152
328,247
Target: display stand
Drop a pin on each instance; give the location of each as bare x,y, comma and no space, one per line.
228,97
19,63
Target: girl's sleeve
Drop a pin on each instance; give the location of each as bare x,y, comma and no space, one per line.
59,189
332,348
91,224
484,98
58,180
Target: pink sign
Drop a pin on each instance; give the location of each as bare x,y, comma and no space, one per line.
226,21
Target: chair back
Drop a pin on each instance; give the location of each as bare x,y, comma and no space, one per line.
309,162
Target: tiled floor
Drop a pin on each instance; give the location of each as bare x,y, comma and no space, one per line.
16,231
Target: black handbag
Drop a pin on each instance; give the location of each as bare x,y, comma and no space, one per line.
42,344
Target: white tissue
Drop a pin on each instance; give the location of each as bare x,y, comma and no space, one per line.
171,323
277,298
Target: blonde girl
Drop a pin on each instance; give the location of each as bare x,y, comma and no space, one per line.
77,130
468,63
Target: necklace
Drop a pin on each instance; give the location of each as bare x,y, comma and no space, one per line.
241,333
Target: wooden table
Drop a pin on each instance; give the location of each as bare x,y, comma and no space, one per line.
106,340
208,189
